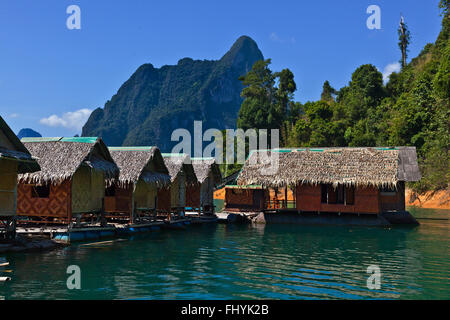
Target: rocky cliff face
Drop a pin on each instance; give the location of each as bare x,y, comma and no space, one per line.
154,102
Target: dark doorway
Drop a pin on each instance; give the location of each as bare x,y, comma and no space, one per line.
258,198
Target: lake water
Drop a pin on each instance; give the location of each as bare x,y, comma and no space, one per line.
246,262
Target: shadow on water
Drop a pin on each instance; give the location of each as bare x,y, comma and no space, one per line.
245,262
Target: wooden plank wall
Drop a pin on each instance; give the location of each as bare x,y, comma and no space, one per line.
393,200
164,199
8,187
193,195
121,201
309,199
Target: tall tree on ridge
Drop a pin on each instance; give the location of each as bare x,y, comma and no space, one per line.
286,88
328,92
259,109
403,40
285,96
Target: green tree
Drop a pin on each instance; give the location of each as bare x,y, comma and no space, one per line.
285,96
441,81
404,38
444,6
364,91
286,89
266,106
300,133
259,109
328,92
318,110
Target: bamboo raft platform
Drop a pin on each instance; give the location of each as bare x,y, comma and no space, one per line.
139,228
67,234
197,218
94,231
176,224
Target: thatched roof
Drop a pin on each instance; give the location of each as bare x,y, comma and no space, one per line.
204,166
177,163
12,148
60,158
349,166
135,162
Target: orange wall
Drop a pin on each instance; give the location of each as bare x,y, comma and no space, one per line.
238,196
58,204
367,200
394,201
309,199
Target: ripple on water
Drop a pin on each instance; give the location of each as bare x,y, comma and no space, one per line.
245,262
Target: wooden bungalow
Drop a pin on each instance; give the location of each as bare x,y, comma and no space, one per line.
245,198
14,159
182,174
200,196
133,198
71,184
335,180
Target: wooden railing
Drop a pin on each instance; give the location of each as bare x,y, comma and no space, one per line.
280,204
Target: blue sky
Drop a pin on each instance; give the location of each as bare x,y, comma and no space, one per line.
52,77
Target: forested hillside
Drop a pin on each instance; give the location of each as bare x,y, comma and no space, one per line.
411,109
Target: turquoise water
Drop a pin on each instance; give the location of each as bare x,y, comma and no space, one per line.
246,262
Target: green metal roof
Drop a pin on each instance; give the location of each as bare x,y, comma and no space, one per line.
140,148
62,139
168,155
81,139
387,148
40,139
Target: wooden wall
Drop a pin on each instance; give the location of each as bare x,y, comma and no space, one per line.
8,187
56,206
121,202
145,195
393,200
164,201
207,191
88,190
193,195
308,198
244,199
178,191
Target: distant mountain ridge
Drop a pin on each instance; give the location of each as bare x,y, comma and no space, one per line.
154,102
28,133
